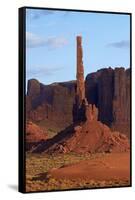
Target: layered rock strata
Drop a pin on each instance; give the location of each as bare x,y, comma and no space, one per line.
86,134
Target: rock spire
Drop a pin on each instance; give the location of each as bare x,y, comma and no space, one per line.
80,92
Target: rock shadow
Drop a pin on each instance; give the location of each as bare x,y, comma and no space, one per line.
41,177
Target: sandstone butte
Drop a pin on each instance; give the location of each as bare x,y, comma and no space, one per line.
108,89
86,133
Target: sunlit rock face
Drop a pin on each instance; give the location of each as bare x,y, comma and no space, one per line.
61,104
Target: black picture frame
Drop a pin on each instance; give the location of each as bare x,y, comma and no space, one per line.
22,100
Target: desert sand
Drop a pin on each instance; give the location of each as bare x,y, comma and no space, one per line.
115,166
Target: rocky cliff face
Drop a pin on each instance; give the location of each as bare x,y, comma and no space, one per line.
121,100
108,89
52,104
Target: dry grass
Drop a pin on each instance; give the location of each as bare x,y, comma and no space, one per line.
37,178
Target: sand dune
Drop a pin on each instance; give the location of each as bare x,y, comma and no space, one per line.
114,166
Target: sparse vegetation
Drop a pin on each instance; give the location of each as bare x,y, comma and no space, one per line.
38,178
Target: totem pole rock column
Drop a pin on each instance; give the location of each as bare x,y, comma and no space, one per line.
80,92
84,110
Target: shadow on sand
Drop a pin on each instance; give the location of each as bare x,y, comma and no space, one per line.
41,177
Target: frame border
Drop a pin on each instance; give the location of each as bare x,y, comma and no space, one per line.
22,97
22,101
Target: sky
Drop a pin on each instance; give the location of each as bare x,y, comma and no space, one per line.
51,43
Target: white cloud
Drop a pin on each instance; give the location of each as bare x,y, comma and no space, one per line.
33,40
46,71
120,44
36,14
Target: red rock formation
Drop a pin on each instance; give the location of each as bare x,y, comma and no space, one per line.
108,89
105,95
33,88
80,91
80,100
50,106
34,135
90,136
91,113
121,100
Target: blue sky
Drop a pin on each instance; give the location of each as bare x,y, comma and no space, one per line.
51,43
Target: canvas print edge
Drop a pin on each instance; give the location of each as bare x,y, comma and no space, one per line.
22,74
